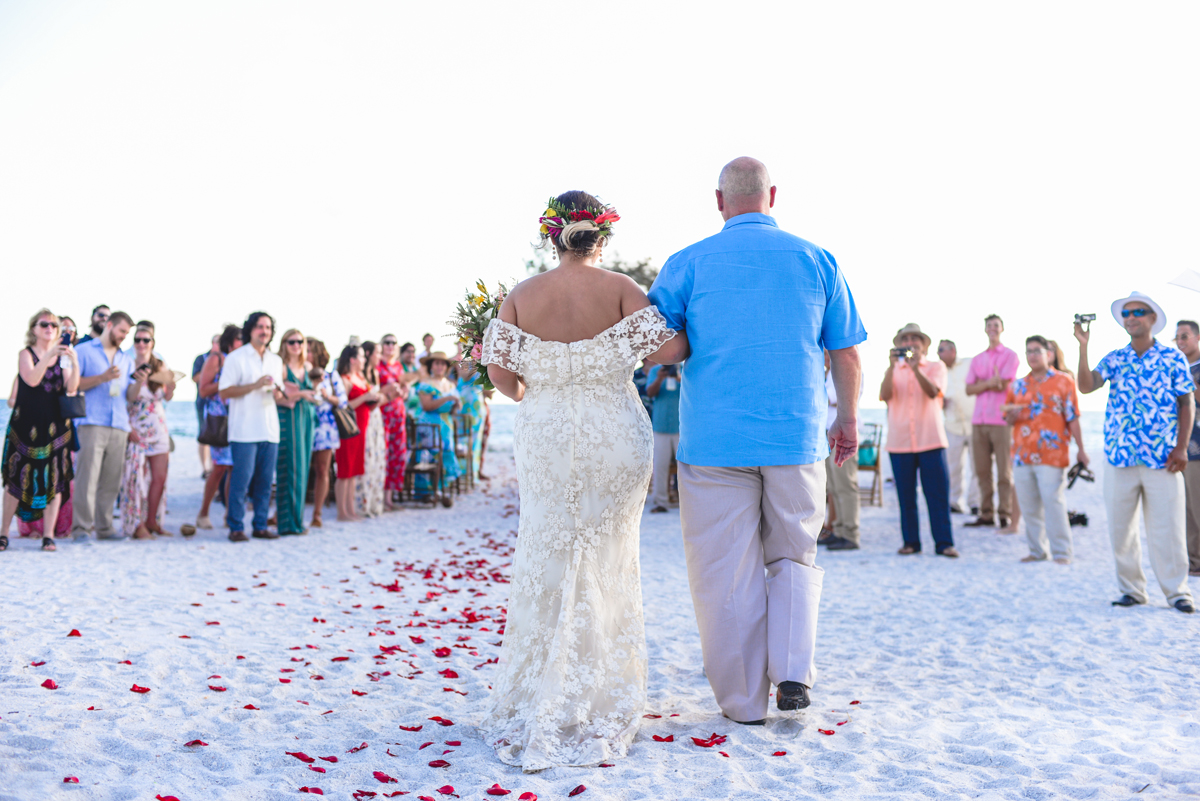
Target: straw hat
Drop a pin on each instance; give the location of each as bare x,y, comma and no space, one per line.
912,328
1160,321
436,356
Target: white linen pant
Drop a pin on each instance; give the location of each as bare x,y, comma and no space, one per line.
954,456
750,539
842,483
98,478
665,447
1161,496
1042,491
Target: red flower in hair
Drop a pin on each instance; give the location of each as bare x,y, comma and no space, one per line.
607,217
581,214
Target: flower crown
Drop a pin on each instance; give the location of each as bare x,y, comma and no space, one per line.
558,217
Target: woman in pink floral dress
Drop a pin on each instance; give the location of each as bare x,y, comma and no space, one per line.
395,422
144,481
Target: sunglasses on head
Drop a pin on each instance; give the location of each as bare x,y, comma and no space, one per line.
1134,312
143,340
295,342
46,324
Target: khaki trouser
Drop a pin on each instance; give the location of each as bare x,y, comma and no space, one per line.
98,478
1191,486
1042,491
958,465
843,487
665,447
993,441
750,539
1161,495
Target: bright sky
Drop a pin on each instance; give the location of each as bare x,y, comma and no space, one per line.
352,168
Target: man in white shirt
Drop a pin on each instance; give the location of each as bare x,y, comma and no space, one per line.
252,383
427,341
959,406
841,481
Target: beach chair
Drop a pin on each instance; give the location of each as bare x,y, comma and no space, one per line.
870,452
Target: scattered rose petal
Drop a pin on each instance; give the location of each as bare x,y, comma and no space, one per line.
327,712
496,789
527,797
448,673
577,791
212,622
300,755
722,753
192,743
357,748
425,745
652,717
49,684
285,681
250,706
853,703
315,769
317,678
442,721
843,723
416,640
441,652
825,731
383,778
446,789
71,779
359,692
240,656
136,689
404,792
125,662
37,664
184,637
341,659
454,742
779,753
313,790
166,798
439,763
74,633
670,738
606,765
216,689
328,759
410,728
91,709
359,795
715,739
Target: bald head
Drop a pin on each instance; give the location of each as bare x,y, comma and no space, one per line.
744,187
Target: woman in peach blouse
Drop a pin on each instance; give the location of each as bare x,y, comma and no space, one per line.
913,389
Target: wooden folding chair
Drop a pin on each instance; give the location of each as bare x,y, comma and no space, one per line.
870,453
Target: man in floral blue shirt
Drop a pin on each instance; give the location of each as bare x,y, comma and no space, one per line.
1146,430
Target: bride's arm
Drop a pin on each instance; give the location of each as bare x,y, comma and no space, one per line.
674,350
508,382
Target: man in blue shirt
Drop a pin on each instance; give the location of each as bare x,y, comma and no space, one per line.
753,441
1146,429
662,386
104,374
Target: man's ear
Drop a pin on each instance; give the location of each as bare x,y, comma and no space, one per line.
772,197
720,201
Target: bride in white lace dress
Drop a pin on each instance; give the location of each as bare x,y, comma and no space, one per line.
572,683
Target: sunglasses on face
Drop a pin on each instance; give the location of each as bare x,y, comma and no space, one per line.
295,342
1134,312
388,342
100,315
46,324
143,340
1036,352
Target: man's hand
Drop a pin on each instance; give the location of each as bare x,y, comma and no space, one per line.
111,374
1178,460
843,439
134,438
1011,416
1083,334
1082,457
266,381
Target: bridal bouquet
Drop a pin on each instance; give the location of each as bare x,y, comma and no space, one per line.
471,320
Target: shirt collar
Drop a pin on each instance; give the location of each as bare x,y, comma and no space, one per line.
750,217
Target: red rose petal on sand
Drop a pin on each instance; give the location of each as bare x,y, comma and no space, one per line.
441,652
300,755
843,723
49,684
853,703
527,797
402,792
605,765
441,720
357,692
317,770
446,789
327,712
313,790
383,778
722,753
125,662
191,743
285,681
424,798
231,589
496,789
184,637
577,791
136,689
250,706
216,689
454,742
70,780
91,709
779,753
341,659
240,656
166,798
825,731
357,748
652,717
37,664
425,745
670,738
416,640
448,673
439,763
74,633
327,759
359,795
212,622
410,728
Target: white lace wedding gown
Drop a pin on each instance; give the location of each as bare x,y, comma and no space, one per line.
572,683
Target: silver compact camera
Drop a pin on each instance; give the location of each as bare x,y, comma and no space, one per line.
1080,319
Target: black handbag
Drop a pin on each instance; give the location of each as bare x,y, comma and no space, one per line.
72,405
347,422
216,431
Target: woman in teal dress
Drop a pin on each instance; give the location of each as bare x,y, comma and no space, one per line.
297,424
439,400
472,405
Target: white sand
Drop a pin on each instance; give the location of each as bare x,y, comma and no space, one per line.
978,678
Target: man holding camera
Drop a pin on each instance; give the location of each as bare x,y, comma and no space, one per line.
1187,339
988,381
1147,426
662,384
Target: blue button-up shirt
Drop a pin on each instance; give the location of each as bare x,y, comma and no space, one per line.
749,297
664,417
103,409
1141,424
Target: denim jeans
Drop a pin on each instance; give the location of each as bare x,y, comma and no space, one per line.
253,470
935,481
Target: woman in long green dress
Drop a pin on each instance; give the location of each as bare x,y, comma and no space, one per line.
438,401
297,424
472,405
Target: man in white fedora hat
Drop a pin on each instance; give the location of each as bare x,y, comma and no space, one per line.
1146,429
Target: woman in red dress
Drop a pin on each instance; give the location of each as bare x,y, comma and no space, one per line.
351,452
392,380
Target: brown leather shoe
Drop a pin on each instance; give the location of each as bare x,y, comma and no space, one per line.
908,550
980,521
949,551
238,536
265,535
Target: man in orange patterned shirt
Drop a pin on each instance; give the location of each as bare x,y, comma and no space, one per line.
1043,409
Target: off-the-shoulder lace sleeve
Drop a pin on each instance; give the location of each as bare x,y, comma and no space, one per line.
647,331
502,346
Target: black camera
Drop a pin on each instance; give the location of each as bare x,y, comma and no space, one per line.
902,353
1084,318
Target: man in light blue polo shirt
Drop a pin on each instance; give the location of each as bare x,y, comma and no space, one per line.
751,452
104,375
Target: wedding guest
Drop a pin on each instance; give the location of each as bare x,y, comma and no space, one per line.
105,374
957,409
1187,339
330,393
368,489
351,452
1056,359
427,341
67,328
214,406
147,456
1042,428
916,442
662,387
439,400
412,373
98,321
393,380
252,383
841,480
36,468
1147,426
988,380
486,432
640,381
206,465
471,395
296,428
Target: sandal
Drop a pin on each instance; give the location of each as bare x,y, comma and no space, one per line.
3,543
48,544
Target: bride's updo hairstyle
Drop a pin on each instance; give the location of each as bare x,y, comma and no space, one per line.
577,222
